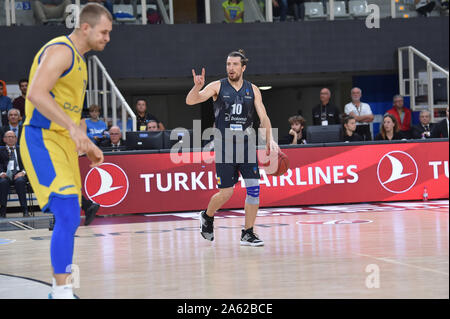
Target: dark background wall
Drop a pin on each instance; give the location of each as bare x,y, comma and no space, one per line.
156,51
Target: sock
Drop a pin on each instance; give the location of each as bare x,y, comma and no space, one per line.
67,220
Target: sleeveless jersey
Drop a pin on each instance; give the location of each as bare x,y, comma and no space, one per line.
68,92
234,112
234,109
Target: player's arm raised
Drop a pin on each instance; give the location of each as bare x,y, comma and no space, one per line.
197,95
55,60
265,121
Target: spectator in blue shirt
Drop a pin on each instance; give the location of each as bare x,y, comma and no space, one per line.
95,127
5,106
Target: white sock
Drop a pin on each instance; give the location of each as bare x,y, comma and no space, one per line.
62,292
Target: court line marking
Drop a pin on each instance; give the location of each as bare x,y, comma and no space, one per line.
404,264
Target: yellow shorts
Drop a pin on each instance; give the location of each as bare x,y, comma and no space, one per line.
51,162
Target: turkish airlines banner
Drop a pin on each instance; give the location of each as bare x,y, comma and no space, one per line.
163,182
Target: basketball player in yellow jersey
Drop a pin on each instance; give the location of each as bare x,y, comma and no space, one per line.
52,136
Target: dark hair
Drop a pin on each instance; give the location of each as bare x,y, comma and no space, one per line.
297,119
241,54
23,80
142,99
345,119
396,127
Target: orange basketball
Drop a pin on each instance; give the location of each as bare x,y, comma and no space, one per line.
283,164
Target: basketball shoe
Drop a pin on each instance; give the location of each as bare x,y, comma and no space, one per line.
206,226
249,238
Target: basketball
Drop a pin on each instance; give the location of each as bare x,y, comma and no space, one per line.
283,164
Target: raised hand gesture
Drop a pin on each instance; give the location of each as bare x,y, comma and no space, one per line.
199,80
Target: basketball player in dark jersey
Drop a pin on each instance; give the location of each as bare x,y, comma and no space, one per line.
235,102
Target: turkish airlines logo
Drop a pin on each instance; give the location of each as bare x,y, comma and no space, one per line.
107,185
397,172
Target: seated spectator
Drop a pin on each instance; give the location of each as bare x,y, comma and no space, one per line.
13,125
423,129
389,130
5,104
297,132
349,130
233,11
325,113
282,6
424,7
152,126
361,112
19,102
45,10
115,139
95,127
440,130
403,116
143,117
12,173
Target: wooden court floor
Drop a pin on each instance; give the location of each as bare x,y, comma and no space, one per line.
349,251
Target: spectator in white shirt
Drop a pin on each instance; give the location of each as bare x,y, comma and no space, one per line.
361,112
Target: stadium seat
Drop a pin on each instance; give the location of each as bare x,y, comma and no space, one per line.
358,8
124,13
339,10
314,10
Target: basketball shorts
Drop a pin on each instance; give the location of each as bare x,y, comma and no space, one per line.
51,162
228,173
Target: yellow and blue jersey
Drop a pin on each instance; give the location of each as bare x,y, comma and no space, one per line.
68,92
48,153
234,9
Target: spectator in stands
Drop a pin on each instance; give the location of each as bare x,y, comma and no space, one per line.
325,113
403,116
115,139
19,102
5,104
45,10
424,7
143,117
233,11
13,125
297,132
152,126
440,130
349,130
361,112
389,130
283,6
95,127
12,173
423,129
298,7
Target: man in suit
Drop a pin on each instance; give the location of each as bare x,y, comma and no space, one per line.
13,125
115,139
441,128
12,173
423,129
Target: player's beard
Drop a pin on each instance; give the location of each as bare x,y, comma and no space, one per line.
234,78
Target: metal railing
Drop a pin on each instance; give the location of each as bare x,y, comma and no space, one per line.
430,65
94,94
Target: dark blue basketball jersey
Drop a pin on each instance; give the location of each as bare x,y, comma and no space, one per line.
234,112
234,109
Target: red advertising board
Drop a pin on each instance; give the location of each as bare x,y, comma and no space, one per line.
146,183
